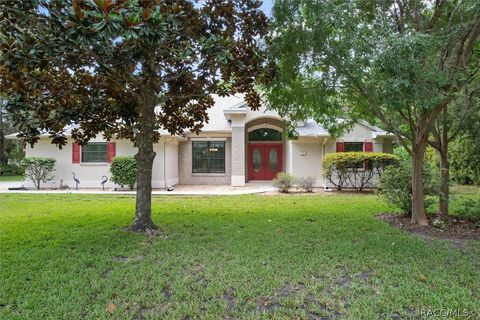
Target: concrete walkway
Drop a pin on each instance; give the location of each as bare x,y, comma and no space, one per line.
250,188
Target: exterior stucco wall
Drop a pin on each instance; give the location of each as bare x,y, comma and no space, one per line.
238,168
172,163
90,174
262,112
185,164
387,146
306,158
361,133
288,156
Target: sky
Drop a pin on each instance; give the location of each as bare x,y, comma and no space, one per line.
267,6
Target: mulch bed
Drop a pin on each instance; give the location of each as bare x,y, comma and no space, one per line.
455,228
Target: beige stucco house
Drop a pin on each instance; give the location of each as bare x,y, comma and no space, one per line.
236,146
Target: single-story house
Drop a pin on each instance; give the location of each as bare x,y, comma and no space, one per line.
236,146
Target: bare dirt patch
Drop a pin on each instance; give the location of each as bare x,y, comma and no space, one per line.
455,228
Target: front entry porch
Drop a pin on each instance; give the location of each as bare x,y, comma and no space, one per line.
257,151
264,160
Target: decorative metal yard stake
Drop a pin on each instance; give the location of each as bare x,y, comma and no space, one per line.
105,179
77,182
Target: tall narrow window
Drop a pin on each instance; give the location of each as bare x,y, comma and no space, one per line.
208,156
94,152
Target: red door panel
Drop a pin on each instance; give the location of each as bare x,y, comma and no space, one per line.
273,160
264,161
256,157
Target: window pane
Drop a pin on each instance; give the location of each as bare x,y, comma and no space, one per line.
273,159
208,157
257,160
94,152
265,134
353,146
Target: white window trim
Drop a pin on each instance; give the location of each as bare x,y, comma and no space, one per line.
93,163
208,174
208,139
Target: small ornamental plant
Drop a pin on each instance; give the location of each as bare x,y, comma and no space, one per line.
38,170
284,182
306,183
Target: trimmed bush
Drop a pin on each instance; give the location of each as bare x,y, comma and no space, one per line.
396,186
38,169
124,171
11,170
306,183
284,182
356,169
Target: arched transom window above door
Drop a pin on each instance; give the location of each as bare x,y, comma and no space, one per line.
265,134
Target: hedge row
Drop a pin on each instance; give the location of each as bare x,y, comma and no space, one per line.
356,169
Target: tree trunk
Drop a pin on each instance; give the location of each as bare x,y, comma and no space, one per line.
3,158
445,177
444,165
145,139
418,195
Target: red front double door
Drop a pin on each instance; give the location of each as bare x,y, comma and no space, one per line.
265,160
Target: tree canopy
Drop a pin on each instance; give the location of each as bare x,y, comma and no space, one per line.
127,68
398,62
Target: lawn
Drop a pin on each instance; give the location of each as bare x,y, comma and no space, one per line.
238,257
10,178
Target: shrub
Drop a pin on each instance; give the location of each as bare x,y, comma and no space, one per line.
124,171
306,183
11,170
396,186
38,169
464,154
356,169
284,182
470,210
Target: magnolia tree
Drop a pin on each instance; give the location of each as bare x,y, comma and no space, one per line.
127,69
395,61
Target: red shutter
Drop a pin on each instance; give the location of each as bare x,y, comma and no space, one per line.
368,146
75,153
111,151
340,147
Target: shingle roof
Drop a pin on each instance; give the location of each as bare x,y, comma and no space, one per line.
218,122
311,129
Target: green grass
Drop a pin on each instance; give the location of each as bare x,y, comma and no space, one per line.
10,178
244,257
465,190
